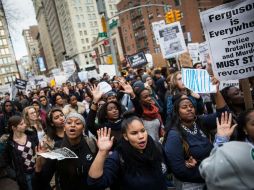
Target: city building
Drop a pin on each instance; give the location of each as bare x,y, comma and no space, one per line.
32,46
45,38
136,25
54,31
80,25
8,66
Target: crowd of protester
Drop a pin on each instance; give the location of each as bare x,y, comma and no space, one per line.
149,132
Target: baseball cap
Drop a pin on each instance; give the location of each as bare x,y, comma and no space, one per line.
229,167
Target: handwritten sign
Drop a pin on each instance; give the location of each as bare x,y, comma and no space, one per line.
198,80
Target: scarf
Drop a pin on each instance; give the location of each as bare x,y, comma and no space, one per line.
151,113
116,126
137,162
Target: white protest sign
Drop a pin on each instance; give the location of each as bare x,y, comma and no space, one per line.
60,80
198,80
224,84
109,69
193,49
59,154
172,40
203,52
69,66
229,31
156,27
83,76
104,87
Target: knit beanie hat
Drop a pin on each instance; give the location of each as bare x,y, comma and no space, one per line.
76,115
144,77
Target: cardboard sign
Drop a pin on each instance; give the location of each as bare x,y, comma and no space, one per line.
229,32
172,40
198,80
137,60
185,60
104,87
69,66
20,84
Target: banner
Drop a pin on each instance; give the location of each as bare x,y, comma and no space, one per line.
20,84
41,64
198,80
229,31
137,60
171,40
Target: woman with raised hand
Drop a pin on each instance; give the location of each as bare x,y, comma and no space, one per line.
109,114
70,173
137,163
187,140
20,151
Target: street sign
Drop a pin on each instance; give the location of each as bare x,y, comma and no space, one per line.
103,34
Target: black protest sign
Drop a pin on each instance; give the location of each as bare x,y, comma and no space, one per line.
137,60
20,84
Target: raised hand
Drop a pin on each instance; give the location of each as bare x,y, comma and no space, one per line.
127,88
97,94
224,128
104,141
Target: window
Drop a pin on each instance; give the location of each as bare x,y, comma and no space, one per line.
79,25
82,41
157,50
1,32
80,33
84,24
87,40
85,32
177,2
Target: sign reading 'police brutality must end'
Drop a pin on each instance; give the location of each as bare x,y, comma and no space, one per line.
229,31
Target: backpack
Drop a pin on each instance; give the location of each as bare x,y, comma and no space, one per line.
91,144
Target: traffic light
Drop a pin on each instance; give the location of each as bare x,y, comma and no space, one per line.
169,17
103,24
178,15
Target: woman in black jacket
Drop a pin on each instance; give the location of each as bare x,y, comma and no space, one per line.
137,163
20,151
70,173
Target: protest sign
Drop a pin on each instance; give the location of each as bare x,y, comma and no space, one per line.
109,69
224,84
156,27
83,76
69,67
172,40
229,31
203,53
59,154
137,60
193,49
104,87
198,80
185,60
20,84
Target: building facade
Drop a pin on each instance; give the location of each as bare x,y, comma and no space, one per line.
45,37
136,25
80,25
32,46
8,66
54,31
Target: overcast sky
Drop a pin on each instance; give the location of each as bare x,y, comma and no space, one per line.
22,16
